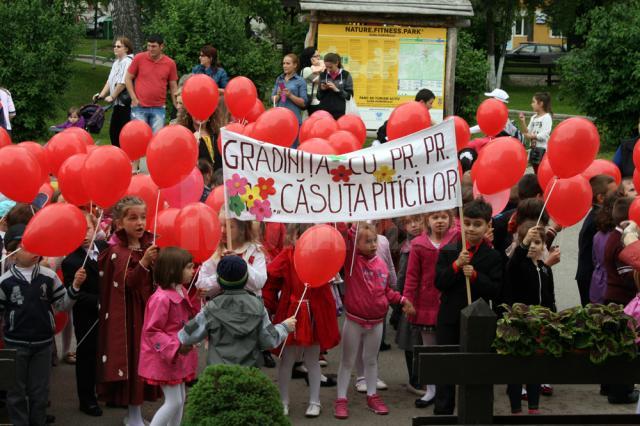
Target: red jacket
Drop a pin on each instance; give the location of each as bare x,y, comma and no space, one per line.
317,319
419,284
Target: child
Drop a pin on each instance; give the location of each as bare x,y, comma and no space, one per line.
366,302
206,170
27,294
478,262
206,133
126,285
85,317
163,361
604,225
74,119
539,128
531,283
633,309
317,326
419,285
236,321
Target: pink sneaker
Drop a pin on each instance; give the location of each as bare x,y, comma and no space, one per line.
375,404
534,411
341,409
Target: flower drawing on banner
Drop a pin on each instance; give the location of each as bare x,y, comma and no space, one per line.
251,195
266,187
341,173
336,157
236,205
237,185
384,174
261,210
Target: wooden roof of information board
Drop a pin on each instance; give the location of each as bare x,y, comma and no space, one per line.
451,8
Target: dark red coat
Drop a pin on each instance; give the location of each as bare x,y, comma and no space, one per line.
317,318
125,287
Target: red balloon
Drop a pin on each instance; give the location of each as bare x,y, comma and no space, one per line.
354,124
240,96
232,127
215,200
62,146
256,111
20,174
143,187
569,201
198,230
407,119
91,148
278,126
573,145
634,210
5,139
61,319
70,180
38,151
636,154
321,114
500,165
492,116
305,129
603,167
323,128
56,230
200,96
498,201
248,129
317,146
463,133
636,180
134,138
319,255
545,173
172,154
188,190
166,228
82,134
107,174
343,141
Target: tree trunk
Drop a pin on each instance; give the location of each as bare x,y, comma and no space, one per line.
500,68
126,22
491,49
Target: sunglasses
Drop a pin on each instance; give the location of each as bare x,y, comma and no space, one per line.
117,46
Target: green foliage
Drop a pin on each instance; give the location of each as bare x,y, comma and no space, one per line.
602,330
38,37
601,78
471,74
187,25
230,395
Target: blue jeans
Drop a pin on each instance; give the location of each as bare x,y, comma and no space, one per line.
154,117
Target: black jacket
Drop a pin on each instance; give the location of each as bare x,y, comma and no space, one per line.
335,102
87,300
453,292
585,246
529,283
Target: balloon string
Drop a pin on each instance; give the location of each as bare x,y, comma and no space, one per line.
193,279
295,314
93,239
10,254
86,334
555,180
33,212
355,243
155,218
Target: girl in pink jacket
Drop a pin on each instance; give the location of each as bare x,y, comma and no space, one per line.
163,360
366,302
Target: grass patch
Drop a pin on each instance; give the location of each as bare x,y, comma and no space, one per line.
85,46
520,98
84,82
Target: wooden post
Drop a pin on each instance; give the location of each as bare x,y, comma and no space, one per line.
477,332
450,71
310,39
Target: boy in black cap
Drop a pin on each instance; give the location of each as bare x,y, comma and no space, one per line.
27,294
236,321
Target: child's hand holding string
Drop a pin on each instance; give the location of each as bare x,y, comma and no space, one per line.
79,278
407,307
290,324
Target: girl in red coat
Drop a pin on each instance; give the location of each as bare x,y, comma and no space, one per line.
419,284
126,285
317,326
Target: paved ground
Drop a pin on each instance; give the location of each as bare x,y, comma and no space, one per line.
567,399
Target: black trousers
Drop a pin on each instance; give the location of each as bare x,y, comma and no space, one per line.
446,334
583,289
515,396
120,116
86,357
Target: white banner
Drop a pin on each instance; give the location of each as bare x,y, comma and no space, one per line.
412,175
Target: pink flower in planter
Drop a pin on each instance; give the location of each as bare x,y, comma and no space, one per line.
236,185
261,210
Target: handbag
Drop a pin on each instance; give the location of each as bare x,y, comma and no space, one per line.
535,155
351,107
125,98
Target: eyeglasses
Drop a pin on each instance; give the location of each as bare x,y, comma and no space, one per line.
117,46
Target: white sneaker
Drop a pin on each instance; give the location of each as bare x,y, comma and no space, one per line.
313,410
285,409
361,385
380,385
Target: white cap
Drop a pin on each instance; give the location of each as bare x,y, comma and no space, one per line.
499,94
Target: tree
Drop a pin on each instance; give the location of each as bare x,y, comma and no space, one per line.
471,74
127,21
34,59
601,78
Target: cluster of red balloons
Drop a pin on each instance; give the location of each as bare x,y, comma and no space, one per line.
634,209
322,134
319,255
500,165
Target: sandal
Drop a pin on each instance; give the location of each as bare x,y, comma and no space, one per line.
70,358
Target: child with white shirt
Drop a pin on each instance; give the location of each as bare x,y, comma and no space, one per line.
539,128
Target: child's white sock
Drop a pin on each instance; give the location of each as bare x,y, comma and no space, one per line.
135,415
430,393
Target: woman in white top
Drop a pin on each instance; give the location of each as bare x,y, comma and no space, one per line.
115,91
539,128
312,65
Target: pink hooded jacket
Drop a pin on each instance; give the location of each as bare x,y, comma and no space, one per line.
167,312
